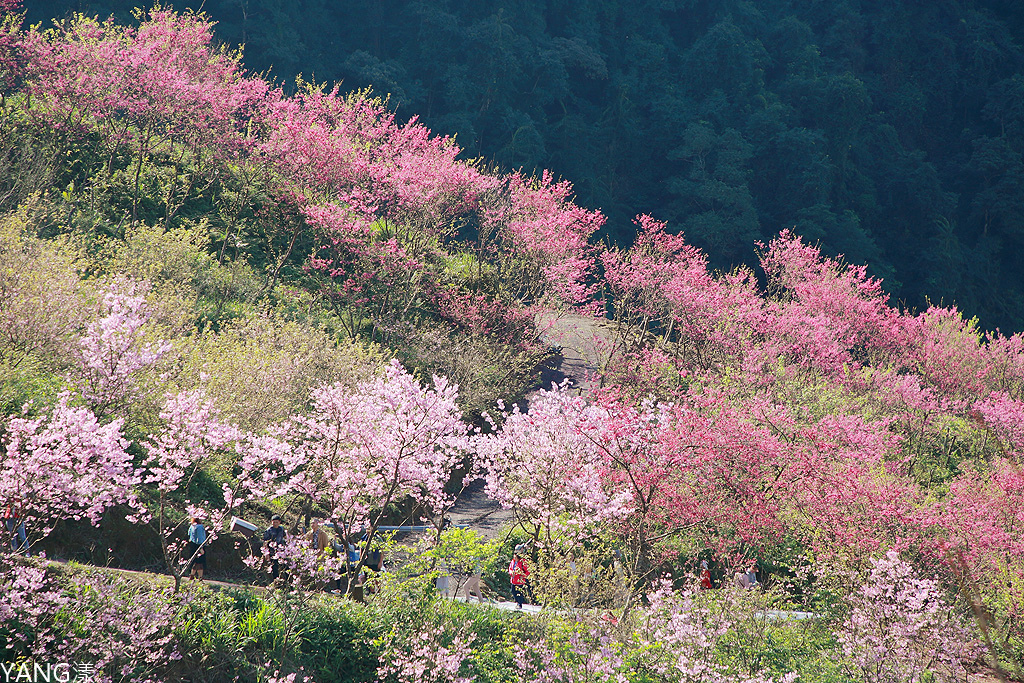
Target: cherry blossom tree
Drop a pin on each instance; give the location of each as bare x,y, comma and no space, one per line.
121,629
113,350
144,91
824,312
364,278
424,657
363,449
536,238
900,626
11,62
708,470
189,440
65,464
660,291
811,408
546,466
686,631
350,149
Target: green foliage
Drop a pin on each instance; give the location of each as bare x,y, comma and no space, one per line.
757,645
807,647
178,260
40,312
227,634
485,369
892,133
259,369
461,550
734,120
584,577
240,634
339,642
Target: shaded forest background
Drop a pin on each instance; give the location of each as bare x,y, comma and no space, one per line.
891,131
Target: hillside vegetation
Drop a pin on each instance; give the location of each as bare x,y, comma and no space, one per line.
220,299
891,132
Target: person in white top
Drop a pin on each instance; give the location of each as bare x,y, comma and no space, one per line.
752,576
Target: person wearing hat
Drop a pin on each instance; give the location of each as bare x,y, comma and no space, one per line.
274,537
517,572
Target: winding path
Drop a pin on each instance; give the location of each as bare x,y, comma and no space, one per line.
582,344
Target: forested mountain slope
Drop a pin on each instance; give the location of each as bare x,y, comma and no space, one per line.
890,132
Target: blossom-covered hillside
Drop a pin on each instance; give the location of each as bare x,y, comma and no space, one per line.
220,300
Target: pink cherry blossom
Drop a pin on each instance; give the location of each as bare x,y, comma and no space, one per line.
113,351
65,464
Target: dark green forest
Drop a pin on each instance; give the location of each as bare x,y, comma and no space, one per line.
890,131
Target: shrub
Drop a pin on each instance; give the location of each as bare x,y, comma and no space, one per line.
901,628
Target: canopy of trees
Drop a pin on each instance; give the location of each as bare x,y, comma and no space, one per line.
888,132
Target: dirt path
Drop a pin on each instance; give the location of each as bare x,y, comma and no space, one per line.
480,512
583,344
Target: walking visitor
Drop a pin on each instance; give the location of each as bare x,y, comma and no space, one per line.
197,549
15,526
705,576
473,585
518,571
273,538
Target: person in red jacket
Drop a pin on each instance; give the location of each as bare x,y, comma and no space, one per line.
705,576
517,572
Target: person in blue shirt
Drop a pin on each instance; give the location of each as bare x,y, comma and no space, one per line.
197,549
16,527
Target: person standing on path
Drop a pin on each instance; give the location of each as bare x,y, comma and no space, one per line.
517,572
473,585
197,549
274,537
317,537
705,576
15,526
752,575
